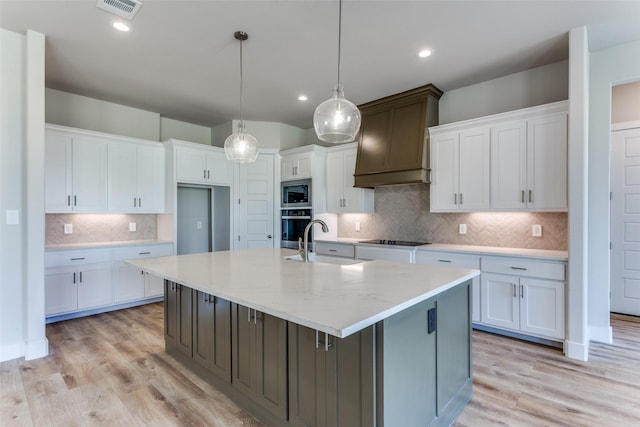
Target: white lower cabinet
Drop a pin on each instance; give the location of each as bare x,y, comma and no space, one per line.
335,249
530,300
130,282
371,252
71,288
93,280
450,259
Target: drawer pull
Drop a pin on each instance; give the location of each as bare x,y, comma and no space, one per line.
77,259
514,291
519,268
444,260
144,253
333,250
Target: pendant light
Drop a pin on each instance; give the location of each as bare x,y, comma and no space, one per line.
337,119
241,146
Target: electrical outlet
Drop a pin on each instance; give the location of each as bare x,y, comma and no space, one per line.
68,229
132,226
357,225
536,230
462,228
198,225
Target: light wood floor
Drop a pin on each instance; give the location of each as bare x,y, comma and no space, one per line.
110,369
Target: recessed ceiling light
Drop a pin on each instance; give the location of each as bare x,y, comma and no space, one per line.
424,53
302,98
121,26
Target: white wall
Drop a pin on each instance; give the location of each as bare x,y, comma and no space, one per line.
22,330
625,103
536,86
68,109
270,135
175,129
607,67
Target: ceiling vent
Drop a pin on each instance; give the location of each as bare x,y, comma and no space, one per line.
123,8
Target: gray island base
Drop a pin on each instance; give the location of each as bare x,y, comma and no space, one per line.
412,367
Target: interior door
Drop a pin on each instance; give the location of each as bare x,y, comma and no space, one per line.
256,204
625,221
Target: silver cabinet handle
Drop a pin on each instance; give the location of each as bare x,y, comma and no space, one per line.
530,194
76,259
519,268
522,197
134,202
68,200
514,291
81,277
460,198
141,272
75,200
522,291
74,277
204,173
208,174
139,202
444,260
327,344
333,250
455,198
144,253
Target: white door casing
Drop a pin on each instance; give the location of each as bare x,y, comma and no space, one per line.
625,221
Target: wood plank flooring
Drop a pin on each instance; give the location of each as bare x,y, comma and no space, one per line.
111,369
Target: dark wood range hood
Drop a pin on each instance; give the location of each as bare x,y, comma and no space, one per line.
393,143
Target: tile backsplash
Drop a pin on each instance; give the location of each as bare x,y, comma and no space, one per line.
92,228
402,213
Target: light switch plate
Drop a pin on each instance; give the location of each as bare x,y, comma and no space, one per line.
357,225
12,217
198,225
462,228
132,226
536,230
68,229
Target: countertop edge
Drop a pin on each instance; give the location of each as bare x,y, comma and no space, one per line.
103,245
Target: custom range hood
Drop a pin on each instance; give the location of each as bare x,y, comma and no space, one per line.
393,144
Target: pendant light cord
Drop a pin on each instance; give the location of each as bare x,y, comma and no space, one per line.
241,116
339,36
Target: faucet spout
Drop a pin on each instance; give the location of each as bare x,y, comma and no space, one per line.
304,250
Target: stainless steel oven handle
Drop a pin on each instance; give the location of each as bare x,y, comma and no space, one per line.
296,217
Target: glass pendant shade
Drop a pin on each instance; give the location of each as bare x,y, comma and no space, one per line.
241,146
337,119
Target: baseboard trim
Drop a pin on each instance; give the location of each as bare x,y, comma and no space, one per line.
576,350
601,334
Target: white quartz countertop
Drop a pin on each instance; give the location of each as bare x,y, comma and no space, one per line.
478,250
335,299
97,245
492,250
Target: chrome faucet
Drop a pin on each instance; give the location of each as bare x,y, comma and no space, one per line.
303,246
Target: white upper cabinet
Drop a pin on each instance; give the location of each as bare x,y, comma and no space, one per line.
75,172
529,164
136,177
206,165
297,166
505,162
342,196
460,170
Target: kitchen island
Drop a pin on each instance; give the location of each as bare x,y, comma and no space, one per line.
319,344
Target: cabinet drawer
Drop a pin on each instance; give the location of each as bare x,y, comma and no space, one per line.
389,254
335,249
524,267
448,258
146,251
85,256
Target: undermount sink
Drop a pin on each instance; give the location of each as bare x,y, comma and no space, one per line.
324,259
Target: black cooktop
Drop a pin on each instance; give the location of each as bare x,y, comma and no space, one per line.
394,242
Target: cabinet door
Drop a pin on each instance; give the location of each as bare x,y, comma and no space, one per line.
58,172
89,174
271,363
171,313
509,166
95,286
356,200
190,165
542,307
219,169
185,320
304,166
150,179
473,169
547,162
203,325
243,349
123,196
61,293
335,182
153,285
288,167
500,305
444,172
128,283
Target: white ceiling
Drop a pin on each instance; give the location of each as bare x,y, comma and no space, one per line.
182,61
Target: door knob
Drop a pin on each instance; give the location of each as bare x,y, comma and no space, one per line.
269,236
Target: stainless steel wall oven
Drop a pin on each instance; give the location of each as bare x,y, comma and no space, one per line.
293,223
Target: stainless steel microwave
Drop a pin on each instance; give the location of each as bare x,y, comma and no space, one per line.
296,194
